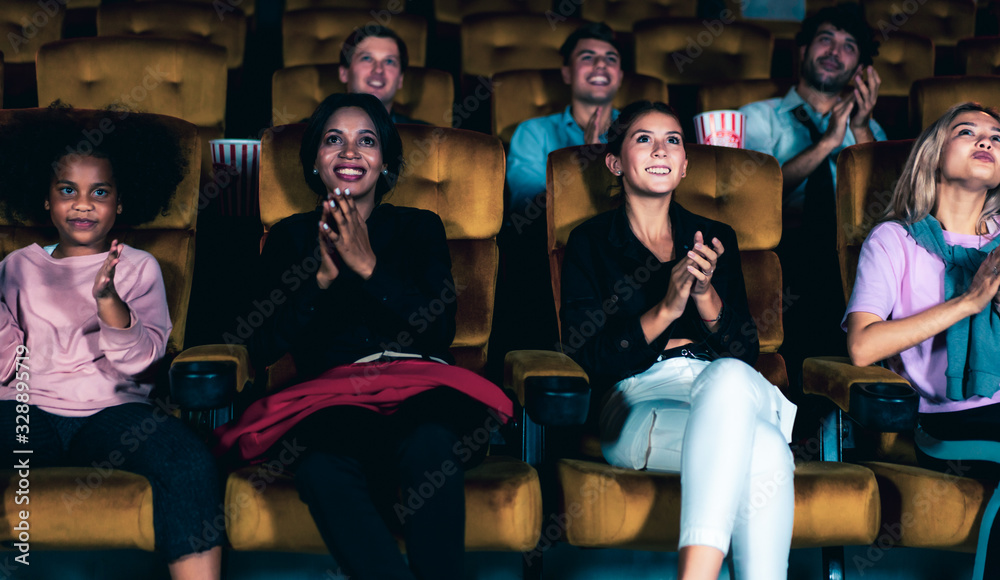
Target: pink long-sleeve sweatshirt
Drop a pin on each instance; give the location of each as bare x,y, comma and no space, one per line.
76,364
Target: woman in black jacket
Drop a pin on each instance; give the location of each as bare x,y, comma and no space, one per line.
655,310
364,301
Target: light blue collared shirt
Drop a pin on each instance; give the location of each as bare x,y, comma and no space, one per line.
530,146
772,128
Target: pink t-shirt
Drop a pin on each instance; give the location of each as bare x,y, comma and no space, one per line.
76,364
899,278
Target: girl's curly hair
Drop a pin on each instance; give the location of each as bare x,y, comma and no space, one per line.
146,159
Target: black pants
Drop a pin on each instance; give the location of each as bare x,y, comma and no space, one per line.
979,424
141,439
366,476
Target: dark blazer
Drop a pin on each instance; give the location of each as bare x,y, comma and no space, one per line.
408,305
609,279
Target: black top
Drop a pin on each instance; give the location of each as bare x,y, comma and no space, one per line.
610,279
407,305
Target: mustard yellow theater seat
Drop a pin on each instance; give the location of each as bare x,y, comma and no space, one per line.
455,11
385,7
945,22
177,20
76,508
735,94
621,15
503,495
249,7
493,43
686,51
427,94
902,59
20,44
525,94
979,56
931,97
316,35
1,80
920,508
603,506
180,78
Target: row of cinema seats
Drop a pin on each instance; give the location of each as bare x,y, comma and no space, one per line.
837,503
682,51
188,80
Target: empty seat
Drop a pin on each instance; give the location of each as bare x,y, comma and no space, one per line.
979,56
621,15
179,20
687,51
427,94
315,36
930,98
902,59
20,45
456,11
392,7
735,94
492,43
180,78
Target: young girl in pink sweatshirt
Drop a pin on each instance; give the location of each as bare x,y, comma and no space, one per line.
88,318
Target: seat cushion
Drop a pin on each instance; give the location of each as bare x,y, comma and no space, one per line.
503,502
608,507
927,509
80,509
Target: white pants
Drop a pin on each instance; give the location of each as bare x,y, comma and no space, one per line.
726,430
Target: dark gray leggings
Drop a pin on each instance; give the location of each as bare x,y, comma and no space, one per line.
142,439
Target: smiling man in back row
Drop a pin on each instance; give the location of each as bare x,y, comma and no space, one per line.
592,68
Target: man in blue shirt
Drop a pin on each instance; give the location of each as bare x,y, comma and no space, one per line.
592,68
806,130
835,47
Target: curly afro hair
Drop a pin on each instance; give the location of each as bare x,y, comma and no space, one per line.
146,158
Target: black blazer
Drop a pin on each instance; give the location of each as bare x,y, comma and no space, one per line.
609,279
408,305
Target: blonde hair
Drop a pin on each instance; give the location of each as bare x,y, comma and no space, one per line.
916,191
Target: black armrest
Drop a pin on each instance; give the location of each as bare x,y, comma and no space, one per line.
203,385
208,377
557,401
884,407
553,389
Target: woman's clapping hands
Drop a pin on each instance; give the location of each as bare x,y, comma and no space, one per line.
343,237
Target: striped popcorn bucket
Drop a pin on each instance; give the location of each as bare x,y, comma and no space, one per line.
235,170
722,128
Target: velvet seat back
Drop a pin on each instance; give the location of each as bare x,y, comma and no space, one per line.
943,21
741,188
525,94
931,97
979,56
249,7
455,11
20,42
180,78
735,94
427,94
621,15
177,20
496,42
735,51
316,35
395,7
169,237
866,177
437,178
